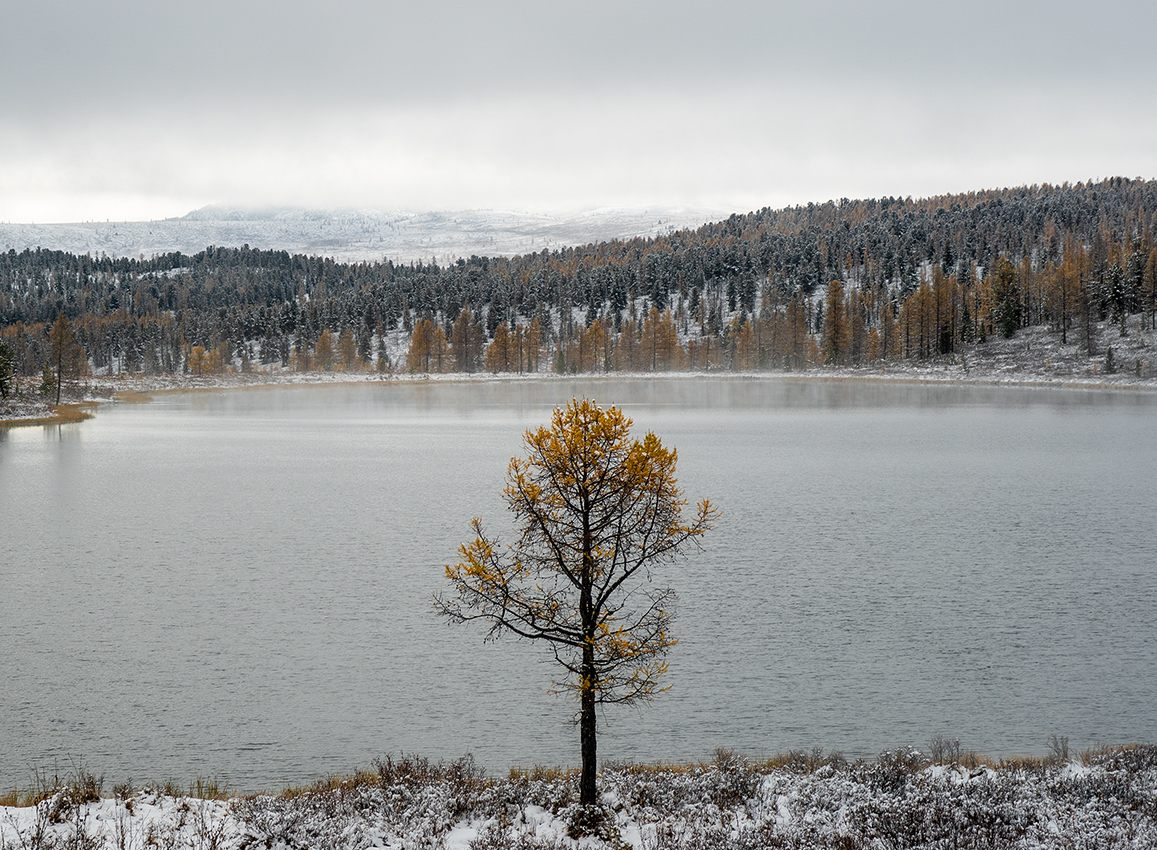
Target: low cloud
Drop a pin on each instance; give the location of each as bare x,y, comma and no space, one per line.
521,106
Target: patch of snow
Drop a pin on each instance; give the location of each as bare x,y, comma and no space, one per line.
1111,802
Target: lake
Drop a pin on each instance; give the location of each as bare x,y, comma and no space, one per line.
238,584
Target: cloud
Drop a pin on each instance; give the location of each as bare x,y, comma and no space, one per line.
146,109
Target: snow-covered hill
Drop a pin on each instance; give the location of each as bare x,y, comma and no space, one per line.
352,235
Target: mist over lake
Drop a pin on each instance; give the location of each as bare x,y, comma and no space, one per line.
238,584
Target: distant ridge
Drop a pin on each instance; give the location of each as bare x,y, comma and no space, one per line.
226,212
352,235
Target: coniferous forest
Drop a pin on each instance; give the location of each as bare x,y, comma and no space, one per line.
839,283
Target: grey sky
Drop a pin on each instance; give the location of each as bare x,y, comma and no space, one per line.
148,109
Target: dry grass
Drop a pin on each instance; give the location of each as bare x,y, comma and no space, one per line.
76,787
211,789
332,783
62,414
79,785
538,773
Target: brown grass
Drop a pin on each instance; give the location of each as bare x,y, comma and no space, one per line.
334,782
538,773
80,785
62,414
77,787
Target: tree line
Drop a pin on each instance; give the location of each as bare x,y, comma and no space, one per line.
840,282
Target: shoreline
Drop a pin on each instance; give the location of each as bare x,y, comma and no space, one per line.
141,389
941,752
815,800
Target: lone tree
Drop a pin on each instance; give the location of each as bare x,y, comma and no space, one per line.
597,511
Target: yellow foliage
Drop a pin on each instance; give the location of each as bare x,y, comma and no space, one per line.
597,510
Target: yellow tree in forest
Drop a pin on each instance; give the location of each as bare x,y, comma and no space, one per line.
1065,284
836,341
502,353
467,339
440,350
323,351
659,342
744,350
585,350
768,329
67,356
347,350
429,351
421,346
597,513
198,361
594,346
628,353
872,347
216,359
797,333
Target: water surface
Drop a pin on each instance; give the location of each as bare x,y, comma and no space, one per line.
238,584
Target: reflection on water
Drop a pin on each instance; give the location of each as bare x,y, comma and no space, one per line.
238,584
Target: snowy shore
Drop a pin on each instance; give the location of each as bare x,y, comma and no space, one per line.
1034,357
1106,799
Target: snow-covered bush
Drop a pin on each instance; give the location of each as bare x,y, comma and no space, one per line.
1108,799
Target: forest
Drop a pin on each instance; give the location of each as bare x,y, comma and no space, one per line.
843,282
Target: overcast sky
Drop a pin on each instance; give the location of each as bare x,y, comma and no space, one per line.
144,109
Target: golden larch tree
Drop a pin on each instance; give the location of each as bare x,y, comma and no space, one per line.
835,325
323,351
597,512
66,354
347,350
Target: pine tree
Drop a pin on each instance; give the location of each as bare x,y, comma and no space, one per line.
532,345
383,355
7,361
1006,296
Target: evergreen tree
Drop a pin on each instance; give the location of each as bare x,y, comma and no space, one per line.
7,359
1006,299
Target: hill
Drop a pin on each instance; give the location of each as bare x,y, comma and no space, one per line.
1068,272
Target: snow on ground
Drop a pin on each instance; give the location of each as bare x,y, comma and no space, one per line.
353,235
1033,356
804,800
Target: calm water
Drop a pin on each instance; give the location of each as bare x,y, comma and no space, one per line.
237,585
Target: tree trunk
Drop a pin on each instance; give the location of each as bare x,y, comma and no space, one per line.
587,790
